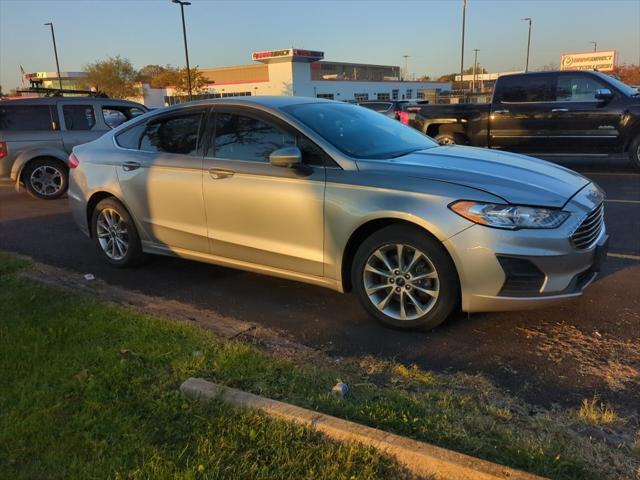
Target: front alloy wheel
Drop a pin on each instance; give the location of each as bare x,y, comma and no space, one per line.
401,281
405,278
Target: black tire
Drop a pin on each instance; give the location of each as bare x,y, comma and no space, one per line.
133,255
449,291
634,154
451,138
45,175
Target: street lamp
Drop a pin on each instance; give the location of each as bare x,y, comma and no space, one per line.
406,68
595,46
528,19
55,52
475,66
464,16
184,34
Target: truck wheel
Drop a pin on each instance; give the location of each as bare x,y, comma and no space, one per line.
634,153
405,278
46,178
451,138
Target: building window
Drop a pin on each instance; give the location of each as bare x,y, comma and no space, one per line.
409,93
383,96
328,96
394,93
360,97
420,94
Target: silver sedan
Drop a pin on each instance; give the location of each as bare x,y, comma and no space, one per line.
340,196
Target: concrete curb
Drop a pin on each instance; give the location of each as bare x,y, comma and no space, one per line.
420,458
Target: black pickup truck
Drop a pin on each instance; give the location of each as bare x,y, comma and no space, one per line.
544,113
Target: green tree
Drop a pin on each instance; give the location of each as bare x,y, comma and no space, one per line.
151,73
169,76
114,76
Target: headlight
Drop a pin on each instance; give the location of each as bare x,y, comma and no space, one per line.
509,216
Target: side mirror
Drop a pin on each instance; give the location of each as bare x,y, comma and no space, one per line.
604,94
288,157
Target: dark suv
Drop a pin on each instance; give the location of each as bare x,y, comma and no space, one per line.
37,135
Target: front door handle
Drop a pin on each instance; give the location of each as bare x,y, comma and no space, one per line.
501,111
128,166
219,173
560,110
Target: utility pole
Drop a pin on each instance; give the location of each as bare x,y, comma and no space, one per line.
186,49
595,46
475,67
55,52
528,19
464,17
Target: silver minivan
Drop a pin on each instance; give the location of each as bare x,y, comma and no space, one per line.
37,135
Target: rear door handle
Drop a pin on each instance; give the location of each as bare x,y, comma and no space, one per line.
128,166
501,111
560,110
219,173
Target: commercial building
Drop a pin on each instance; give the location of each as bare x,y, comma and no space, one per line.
305,73
289,71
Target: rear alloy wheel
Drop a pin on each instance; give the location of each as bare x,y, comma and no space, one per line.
634,153
46,179
115,234
405,278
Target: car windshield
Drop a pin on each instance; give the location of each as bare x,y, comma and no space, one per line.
623,87
360,132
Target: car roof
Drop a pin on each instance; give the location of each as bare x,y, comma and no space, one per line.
56,100
268,101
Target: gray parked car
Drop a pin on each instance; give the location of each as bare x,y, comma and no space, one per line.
37,135
340,196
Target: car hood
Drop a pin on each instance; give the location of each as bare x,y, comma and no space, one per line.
516,178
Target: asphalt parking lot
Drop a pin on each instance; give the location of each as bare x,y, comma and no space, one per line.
562,354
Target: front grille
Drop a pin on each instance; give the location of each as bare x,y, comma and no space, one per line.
589,229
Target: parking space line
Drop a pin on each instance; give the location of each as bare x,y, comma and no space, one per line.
621,201
624,255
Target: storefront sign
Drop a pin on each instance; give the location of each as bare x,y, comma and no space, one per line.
601,61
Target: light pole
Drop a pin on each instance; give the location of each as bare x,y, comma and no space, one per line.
186,50
406,70
55,52
528,19
595,46
464,17
475,66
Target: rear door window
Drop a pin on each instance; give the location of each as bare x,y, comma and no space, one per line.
79,117
26,117
526,88
174,134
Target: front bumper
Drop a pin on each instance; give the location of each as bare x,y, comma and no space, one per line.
512,270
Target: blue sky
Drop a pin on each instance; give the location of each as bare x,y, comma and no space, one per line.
370,31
